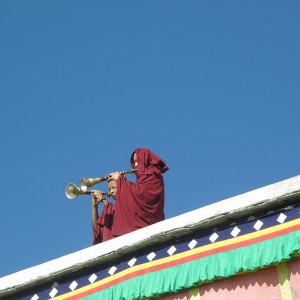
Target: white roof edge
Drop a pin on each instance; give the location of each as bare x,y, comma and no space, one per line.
118,246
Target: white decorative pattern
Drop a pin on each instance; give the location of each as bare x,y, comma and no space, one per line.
258,224
235,231
73,285
151,256
281,218
92,278
213,237
53,292
132,262
171,250
192,244
35,297
112,270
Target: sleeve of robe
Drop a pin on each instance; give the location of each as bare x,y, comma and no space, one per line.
104,224
138,204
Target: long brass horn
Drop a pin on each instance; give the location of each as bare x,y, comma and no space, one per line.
86,183
73,191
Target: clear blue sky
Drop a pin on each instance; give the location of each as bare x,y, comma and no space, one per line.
212,87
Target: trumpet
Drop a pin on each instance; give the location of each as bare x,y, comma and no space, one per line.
73,191
85,183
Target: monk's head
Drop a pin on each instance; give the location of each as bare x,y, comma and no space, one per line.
134,160
112,187
143,158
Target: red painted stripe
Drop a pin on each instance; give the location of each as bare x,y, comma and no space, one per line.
186,259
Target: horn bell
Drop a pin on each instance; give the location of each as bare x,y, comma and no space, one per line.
86,183
73,191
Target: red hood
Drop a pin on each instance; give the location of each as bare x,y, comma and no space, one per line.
148,161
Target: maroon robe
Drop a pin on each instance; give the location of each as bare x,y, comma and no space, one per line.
104,224
141,203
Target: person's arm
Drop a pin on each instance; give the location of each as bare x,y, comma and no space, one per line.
147,185
96,199
115,175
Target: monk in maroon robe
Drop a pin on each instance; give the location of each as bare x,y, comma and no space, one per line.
137,204
102,225
141,203
102,231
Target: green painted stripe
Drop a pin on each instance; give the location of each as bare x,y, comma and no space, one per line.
221,265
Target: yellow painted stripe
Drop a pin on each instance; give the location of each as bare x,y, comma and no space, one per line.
284,281
175,257
194,294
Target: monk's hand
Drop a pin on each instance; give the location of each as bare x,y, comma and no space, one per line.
96,197
114,175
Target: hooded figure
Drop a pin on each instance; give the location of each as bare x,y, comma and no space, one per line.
141,203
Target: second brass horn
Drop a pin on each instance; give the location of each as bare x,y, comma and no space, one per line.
85,183
73,191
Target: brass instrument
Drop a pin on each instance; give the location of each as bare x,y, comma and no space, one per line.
73,191
89,182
